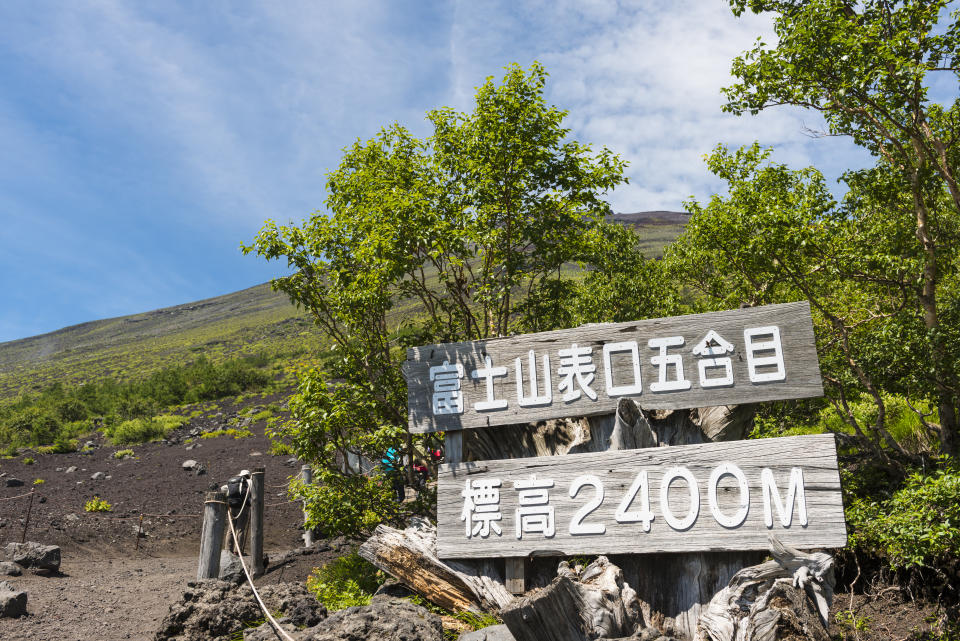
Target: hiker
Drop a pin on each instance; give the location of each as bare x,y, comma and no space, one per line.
420,474
393,469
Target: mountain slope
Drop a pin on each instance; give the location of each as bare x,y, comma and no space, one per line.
251,321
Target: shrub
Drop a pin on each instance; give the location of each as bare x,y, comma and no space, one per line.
28,461
59,413
279,448
917,526
38,481
235,433
121,453
141,430
262,416
345,582
97,504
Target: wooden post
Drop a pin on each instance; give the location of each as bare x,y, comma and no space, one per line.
26,522
453,447
211,536
306,475
515,574
256,520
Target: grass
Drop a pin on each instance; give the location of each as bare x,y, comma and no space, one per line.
141,430
234,433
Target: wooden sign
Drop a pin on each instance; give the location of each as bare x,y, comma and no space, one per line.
721,358
714,496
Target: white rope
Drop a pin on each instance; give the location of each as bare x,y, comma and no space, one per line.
263,607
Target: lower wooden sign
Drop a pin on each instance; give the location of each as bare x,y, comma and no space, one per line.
714,496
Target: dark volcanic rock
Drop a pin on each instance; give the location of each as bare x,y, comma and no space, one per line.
13,602
387,620
230,569
219,610
34,555
492,633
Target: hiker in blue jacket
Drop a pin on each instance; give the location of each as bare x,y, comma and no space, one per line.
393,469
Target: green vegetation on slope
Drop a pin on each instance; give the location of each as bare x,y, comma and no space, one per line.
252,321
125,411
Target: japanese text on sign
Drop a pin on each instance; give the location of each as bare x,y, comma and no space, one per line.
721,358
717,495
576,373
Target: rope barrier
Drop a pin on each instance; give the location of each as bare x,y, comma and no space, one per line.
10,498
155,516
263,607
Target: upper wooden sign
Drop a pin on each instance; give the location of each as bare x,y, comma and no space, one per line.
715,496
721,358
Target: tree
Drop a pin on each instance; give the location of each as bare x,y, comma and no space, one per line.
481,229
778,235
868,67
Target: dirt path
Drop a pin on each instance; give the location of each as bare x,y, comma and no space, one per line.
112,587
107,599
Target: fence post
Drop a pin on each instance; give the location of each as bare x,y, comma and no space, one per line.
256,520
306,475
211,536
26,522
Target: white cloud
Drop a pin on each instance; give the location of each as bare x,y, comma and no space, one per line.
136,132
644,79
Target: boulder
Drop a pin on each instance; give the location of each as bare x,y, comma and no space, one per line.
189,465
217,610
97,476
70,470
230,569
9,568
34,555
493,633
386,620
13,482
13,602
266,632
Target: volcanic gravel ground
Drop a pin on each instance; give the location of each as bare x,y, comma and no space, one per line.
110,588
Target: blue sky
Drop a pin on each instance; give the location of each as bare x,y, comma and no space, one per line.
143,142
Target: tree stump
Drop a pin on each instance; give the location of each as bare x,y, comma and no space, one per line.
580,604
765,602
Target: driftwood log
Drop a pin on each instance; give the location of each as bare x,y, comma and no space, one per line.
410,556
790,594
580,604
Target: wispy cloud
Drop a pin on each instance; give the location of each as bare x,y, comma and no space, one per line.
142,142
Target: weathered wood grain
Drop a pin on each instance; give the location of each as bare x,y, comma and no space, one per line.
409,556
815,455
579,605
801,370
